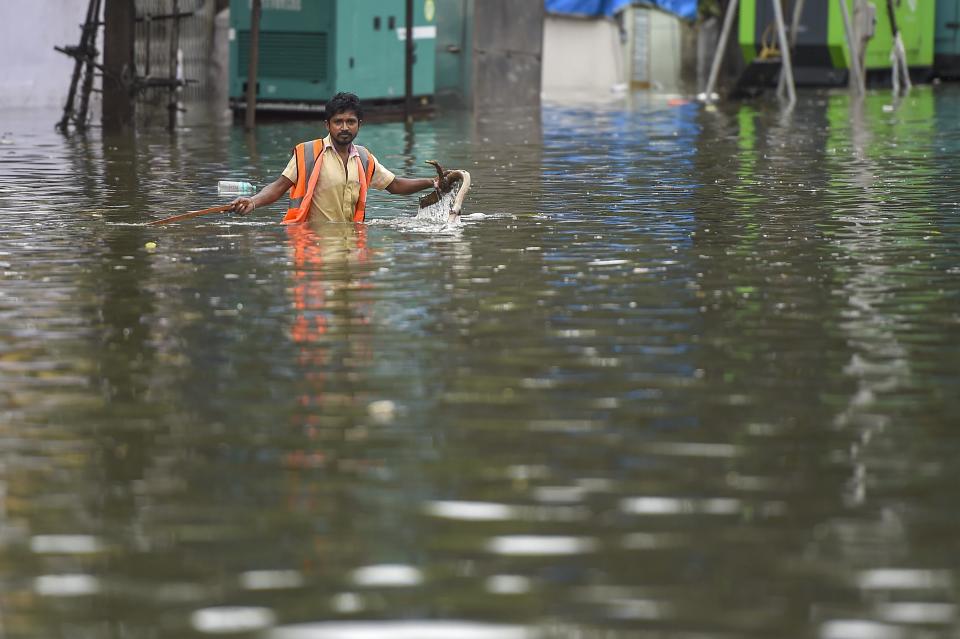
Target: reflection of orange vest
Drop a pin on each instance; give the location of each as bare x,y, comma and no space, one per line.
310,287
309,162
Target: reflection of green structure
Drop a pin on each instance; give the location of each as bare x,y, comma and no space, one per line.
311,48
821,55
859,151
912,127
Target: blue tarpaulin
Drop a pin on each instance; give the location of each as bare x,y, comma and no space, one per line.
586,7
684,8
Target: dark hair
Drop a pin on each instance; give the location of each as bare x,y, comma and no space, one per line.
342,102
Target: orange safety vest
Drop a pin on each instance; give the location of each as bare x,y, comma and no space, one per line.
309,161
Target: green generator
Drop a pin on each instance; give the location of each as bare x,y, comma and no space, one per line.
946,60
310,49
821,56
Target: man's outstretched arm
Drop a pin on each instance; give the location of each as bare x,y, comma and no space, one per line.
267,195
406,186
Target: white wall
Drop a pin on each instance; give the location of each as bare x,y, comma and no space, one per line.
32,74
581,57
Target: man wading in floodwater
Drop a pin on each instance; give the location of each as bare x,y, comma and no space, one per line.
328,179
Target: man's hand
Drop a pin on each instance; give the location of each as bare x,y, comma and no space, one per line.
243,205
267,196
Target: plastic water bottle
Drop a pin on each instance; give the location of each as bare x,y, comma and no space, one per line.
231,187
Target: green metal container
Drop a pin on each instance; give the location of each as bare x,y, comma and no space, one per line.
821,55
310,49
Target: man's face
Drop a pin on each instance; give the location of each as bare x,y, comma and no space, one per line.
344,127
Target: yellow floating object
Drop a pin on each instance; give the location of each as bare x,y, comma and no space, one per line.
150,246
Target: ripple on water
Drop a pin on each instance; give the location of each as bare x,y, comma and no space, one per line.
232,619
471,510
402,630
66,585
387,576
861,629
680,506
65,544
271,579
540,545
904,579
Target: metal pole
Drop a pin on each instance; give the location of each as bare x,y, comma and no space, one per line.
899,53
856,74
250,116
902,51
172,63
408,66
786,66
721,47
147,43
794,26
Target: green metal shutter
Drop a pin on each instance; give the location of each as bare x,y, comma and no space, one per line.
287,54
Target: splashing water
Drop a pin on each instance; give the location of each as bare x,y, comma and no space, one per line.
444,207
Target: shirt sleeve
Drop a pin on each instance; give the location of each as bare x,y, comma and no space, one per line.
291,171
382,176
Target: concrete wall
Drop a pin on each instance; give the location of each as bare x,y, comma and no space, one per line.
34,75
507,53
454,54
581,57
596,58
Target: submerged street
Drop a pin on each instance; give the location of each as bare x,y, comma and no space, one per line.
679,372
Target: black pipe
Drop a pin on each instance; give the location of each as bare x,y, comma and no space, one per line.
893,19
253,66
408,89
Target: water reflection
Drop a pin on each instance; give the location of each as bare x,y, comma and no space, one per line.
684,372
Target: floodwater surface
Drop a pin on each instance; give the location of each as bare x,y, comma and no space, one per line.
679,373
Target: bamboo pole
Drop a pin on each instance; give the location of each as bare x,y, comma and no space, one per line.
89,71
77,66
186,216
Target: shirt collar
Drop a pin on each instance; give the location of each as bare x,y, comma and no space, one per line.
328,144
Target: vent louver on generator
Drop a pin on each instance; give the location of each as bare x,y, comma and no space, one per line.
286,54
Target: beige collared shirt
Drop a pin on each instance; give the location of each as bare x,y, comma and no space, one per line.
338,187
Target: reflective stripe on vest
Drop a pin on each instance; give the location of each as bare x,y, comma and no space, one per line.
309,164
366,169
